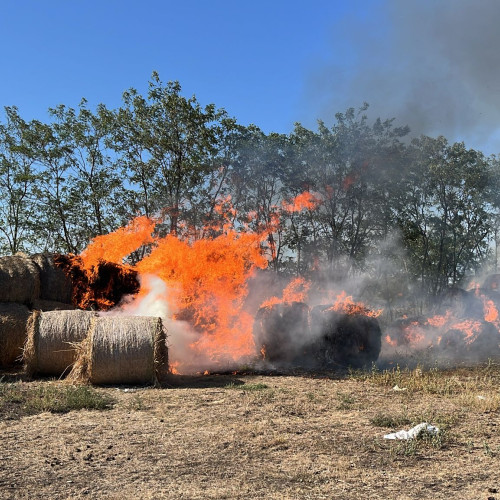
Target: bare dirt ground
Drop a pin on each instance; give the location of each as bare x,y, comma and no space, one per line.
255,436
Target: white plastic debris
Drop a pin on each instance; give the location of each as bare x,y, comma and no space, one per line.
413,432
481,397
399,389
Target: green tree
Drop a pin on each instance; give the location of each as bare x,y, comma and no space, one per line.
17,180
168,144
95,185
446,213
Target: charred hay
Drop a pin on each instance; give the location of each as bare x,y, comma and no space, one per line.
103,287
345,340
280,330
292,334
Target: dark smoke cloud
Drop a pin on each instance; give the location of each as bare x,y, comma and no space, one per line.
432,64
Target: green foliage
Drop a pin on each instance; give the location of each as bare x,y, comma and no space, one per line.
416,217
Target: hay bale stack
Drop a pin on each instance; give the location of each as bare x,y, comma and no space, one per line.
13,321
52,340
123,350
19,279
54,284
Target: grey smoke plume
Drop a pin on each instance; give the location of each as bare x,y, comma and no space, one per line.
432,64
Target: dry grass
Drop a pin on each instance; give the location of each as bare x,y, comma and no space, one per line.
254,437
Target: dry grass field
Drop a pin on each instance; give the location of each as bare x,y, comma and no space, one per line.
254,436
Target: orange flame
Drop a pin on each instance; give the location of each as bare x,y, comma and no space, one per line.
390,341
344,303
439,321
303,201
115,246
209,281
295,291
470,329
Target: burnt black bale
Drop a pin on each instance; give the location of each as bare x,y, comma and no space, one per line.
102,289
343,339
280,330
400,330
484,343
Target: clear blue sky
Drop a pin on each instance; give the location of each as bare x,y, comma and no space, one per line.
271,63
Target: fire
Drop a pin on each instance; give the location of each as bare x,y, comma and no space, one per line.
174,367
296,291
208,282
113,247
470,328
439,321
345,304
206,273
390,341
490,311
303,201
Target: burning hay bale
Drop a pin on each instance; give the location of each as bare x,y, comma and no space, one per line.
470,340
411,332
101,288
54,284
123,350
19,279
52,337
280,330
13,320
345,339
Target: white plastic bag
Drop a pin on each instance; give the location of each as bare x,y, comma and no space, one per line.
413,432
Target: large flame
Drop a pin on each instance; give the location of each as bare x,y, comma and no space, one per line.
206,277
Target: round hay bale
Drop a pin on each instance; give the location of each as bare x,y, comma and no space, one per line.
346,339
54,284
409,332
13,321
19,279
280,330
123,350
53,337
483,343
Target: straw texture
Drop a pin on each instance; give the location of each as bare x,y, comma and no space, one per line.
123,350
53,336
54,284
13,320
19,279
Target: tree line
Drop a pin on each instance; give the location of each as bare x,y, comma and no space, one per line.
416,215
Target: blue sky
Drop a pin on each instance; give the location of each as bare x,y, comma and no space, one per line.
271,63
